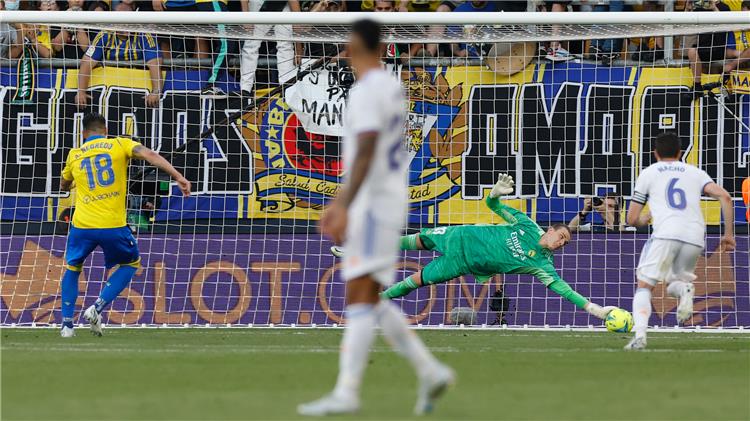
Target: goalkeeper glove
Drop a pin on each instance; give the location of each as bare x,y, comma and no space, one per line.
503,187
597,310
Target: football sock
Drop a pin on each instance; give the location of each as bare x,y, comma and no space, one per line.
399,289
397,333
69,293
114,286
355,347
641,311
409,242
676,289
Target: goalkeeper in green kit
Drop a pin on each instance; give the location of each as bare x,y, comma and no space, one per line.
518,247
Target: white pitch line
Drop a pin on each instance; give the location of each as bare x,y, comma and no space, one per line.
203,349
333,349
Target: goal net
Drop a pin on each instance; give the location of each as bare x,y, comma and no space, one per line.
249,107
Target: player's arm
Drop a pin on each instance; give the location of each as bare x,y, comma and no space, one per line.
66,178
504,187
153,158
334,219
636,217
152,56
84,77
727,211
556,284
66,185
93,56
366,143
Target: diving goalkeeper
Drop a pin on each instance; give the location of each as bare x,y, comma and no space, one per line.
518,247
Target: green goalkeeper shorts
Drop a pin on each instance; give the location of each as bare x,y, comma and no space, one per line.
446,240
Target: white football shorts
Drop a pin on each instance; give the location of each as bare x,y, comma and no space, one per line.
667,260
371,247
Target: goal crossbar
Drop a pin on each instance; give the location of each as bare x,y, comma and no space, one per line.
346,18
401,27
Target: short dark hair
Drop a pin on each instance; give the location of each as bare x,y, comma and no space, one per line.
369,32
94,121
559,226
745,5
667,145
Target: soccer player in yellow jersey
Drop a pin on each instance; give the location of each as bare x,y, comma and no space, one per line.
99,169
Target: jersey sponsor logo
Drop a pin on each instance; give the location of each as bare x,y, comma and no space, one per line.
514,245
91,198
522,232
531,253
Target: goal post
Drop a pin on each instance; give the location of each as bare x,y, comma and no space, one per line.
249,106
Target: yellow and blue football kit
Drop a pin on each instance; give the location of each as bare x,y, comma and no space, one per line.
107,45
99,169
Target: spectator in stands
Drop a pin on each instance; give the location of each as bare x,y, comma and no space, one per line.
393,52
286,52
554,50
316,50
470,50
652,48
125,6
219,49
384,6
710,48
11,38
100,6
418,5
437,31
607,50
739,44
70,43
122,46
41,38
607,207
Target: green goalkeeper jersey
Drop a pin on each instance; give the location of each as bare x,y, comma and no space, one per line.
485,250
512,247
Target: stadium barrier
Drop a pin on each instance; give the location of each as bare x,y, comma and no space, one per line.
290,279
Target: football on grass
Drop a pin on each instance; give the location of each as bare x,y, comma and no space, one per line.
619,320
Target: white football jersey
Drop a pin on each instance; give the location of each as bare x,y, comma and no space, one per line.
377,104
673,191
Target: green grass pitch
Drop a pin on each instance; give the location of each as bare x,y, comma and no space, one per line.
199,374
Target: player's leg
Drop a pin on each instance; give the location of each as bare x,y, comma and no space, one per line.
368,264
360,262
681,280
444,268
120,248
652,269
441,269
407,242
78,247
361,298
433,376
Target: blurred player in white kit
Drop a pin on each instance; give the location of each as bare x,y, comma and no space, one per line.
367,216
673,190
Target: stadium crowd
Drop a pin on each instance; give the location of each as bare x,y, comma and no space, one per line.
722,51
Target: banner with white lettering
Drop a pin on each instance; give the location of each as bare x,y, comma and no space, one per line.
319,100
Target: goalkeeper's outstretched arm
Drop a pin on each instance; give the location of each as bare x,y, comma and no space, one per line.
556,284
503,187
